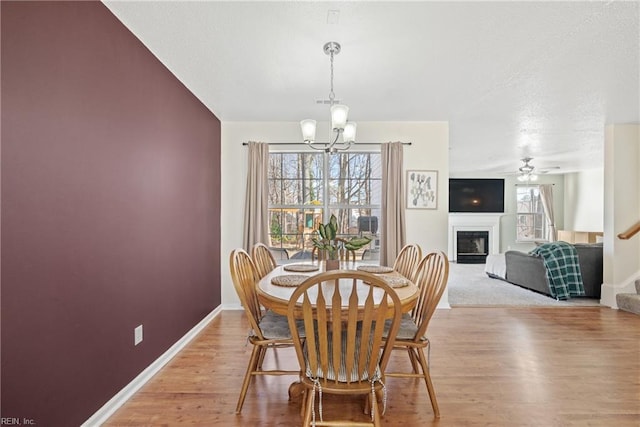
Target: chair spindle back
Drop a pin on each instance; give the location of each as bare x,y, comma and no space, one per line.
432,275
334,331
263,259
244,276
407,261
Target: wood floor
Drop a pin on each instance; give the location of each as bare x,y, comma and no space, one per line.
490,366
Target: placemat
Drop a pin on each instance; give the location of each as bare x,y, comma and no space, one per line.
301,267
377,269
395,281
289,280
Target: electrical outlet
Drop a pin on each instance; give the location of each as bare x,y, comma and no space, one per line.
137,335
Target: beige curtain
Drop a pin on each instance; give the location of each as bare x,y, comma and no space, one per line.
393,219
256,205
546,195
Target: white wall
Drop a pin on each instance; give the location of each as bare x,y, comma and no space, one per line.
622,210
429,151
584,200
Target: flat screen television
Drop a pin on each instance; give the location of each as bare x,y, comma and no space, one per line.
476,195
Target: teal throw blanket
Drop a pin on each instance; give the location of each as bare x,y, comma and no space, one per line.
563,270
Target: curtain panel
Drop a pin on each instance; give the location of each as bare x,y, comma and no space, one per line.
393,224
256,206
546,195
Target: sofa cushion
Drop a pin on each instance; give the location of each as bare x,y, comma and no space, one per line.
496,266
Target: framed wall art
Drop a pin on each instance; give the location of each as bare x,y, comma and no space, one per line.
422,189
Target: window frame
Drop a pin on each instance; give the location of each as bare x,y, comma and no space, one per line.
323,210
536,217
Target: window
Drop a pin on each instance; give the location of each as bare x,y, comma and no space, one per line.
306,188
530,221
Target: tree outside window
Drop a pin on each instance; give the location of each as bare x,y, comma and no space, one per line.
306,188
530,220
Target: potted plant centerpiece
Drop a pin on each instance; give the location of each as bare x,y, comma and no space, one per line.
331,244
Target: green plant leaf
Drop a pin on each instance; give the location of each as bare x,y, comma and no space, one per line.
331,232
334,222
359,241
322,231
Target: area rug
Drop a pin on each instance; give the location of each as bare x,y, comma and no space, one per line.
470,286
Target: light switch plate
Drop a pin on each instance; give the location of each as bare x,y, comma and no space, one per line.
137,335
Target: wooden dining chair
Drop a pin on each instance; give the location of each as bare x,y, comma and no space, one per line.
432,275
407,260
263,259
268,329
344,352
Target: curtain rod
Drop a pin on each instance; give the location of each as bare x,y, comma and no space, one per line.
530,184
326,143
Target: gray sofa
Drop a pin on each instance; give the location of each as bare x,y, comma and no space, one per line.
528,271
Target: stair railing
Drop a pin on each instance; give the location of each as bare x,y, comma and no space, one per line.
630,232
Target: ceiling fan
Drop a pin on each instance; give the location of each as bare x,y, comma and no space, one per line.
526,171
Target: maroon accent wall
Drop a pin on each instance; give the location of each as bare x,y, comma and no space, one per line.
110,209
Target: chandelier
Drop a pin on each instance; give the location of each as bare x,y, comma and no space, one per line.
339,113
526,171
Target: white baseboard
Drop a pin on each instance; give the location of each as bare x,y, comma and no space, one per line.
608,291
109,408
233,306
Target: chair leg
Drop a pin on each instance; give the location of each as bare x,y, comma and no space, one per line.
263,352
414,360
308,407
427,379
375,411
303,404
255,353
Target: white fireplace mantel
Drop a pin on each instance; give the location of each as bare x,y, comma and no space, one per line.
489,222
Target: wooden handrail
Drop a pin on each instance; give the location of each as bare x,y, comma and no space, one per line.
630,232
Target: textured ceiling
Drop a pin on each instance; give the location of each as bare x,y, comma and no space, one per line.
513,79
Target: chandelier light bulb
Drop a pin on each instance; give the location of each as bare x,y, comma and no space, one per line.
339,115
308,127
349,133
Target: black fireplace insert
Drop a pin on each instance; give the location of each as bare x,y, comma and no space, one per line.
472,247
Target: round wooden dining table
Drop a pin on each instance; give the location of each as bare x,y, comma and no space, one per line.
276,296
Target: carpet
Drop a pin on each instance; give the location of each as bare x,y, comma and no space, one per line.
470,286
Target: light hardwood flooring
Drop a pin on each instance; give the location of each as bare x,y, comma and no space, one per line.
490,367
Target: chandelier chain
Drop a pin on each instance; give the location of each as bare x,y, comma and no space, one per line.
331,93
